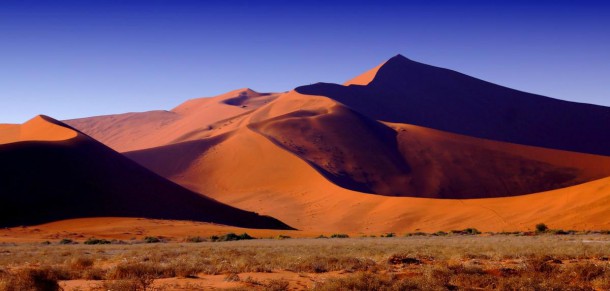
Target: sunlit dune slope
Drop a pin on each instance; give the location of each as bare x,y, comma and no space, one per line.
364,155
194,119
364,79
51,172
249,171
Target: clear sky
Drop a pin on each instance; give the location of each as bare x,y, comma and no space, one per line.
71,59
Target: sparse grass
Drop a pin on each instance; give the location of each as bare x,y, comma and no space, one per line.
505,262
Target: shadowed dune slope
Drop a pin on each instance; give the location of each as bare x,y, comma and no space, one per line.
405,91
249,171
194,119
63,174
364,155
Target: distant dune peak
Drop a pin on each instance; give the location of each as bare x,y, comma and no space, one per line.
39,128
405,91
367,77
399,57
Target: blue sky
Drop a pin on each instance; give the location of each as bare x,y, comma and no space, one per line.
71,59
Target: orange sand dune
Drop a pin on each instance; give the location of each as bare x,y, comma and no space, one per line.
127,228
366,78
308,159
249,170
59,173
405,91
38,128
194,119
360,154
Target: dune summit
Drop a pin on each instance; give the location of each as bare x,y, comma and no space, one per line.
51,172
194,119
405,91
358,153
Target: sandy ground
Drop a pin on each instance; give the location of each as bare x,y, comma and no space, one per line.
121,228
296,281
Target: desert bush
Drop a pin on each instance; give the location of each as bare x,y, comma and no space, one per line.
29,279
281,236
541,227
542,265
66,241
80,264
417,233
152,239
277,285
389,234
466,231
562,232
230,237
195,239
588,271
403,259
96,241
339,235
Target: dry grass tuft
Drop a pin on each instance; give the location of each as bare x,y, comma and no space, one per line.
277,285
29,279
